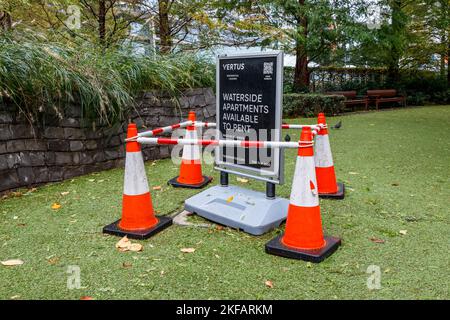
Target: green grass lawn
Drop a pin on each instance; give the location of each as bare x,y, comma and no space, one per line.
395,164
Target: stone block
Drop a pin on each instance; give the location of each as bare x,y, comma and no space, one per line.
90,144
50,158
5,132
35,145
76,145
98,156
9,179
210,96
41,174
55,173
70,122
22,131
114,141
15,145
4,161
54,133
86,158
58,145
73,171
111,154
36,158
74,133
6,117
62,158
26,176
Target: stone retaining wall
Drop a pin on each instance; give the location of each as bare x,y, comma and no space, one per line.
55,149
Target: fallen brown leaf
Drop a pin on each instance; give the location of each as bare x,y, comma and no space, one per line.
127,265
53,260
136,247
269,284
187,250
242,180
219,227
12,262
56,206
376,240
123,244
156,188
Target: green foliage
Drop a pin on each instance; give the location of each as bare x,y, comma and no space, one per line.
420,86
39,77
424,87
308,105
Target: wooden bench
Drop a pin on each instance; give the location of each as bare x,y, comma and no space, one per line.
351,98
382,96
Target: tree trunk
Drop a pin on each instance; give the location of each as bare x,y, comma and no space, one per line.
5,20
301,75
102,21
165,38
448,65
397,41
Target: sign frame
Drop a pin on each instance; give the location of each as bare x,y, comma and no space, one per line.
276,175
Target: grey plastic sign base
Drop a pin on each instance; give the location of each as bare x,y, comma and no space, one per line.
239,208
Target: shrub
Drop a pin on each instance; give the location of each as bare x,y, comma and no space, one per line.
39,77
309,105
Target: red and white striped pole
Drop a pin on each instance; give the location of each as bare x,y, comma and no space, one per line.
166,129
221,143
199,124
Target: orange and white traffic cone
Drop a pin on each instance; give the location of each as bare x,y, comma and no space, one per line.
303,238
326,177
191,165
138,218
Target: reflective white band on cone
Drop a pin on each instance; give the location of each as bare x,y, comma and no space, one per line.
192,151
322,152
135,178
304,186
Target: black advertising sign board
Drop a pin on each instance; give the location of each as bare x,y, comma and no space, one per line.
249,93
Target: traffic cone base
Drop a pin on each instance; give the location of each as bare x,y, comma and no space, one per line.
140,234
339,195
175,183
276,247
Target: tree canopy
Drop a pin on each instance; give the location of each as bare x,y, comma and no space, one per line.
393,34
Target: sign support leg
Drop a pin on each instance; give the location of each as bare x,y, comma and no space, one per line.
224,179
270,190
